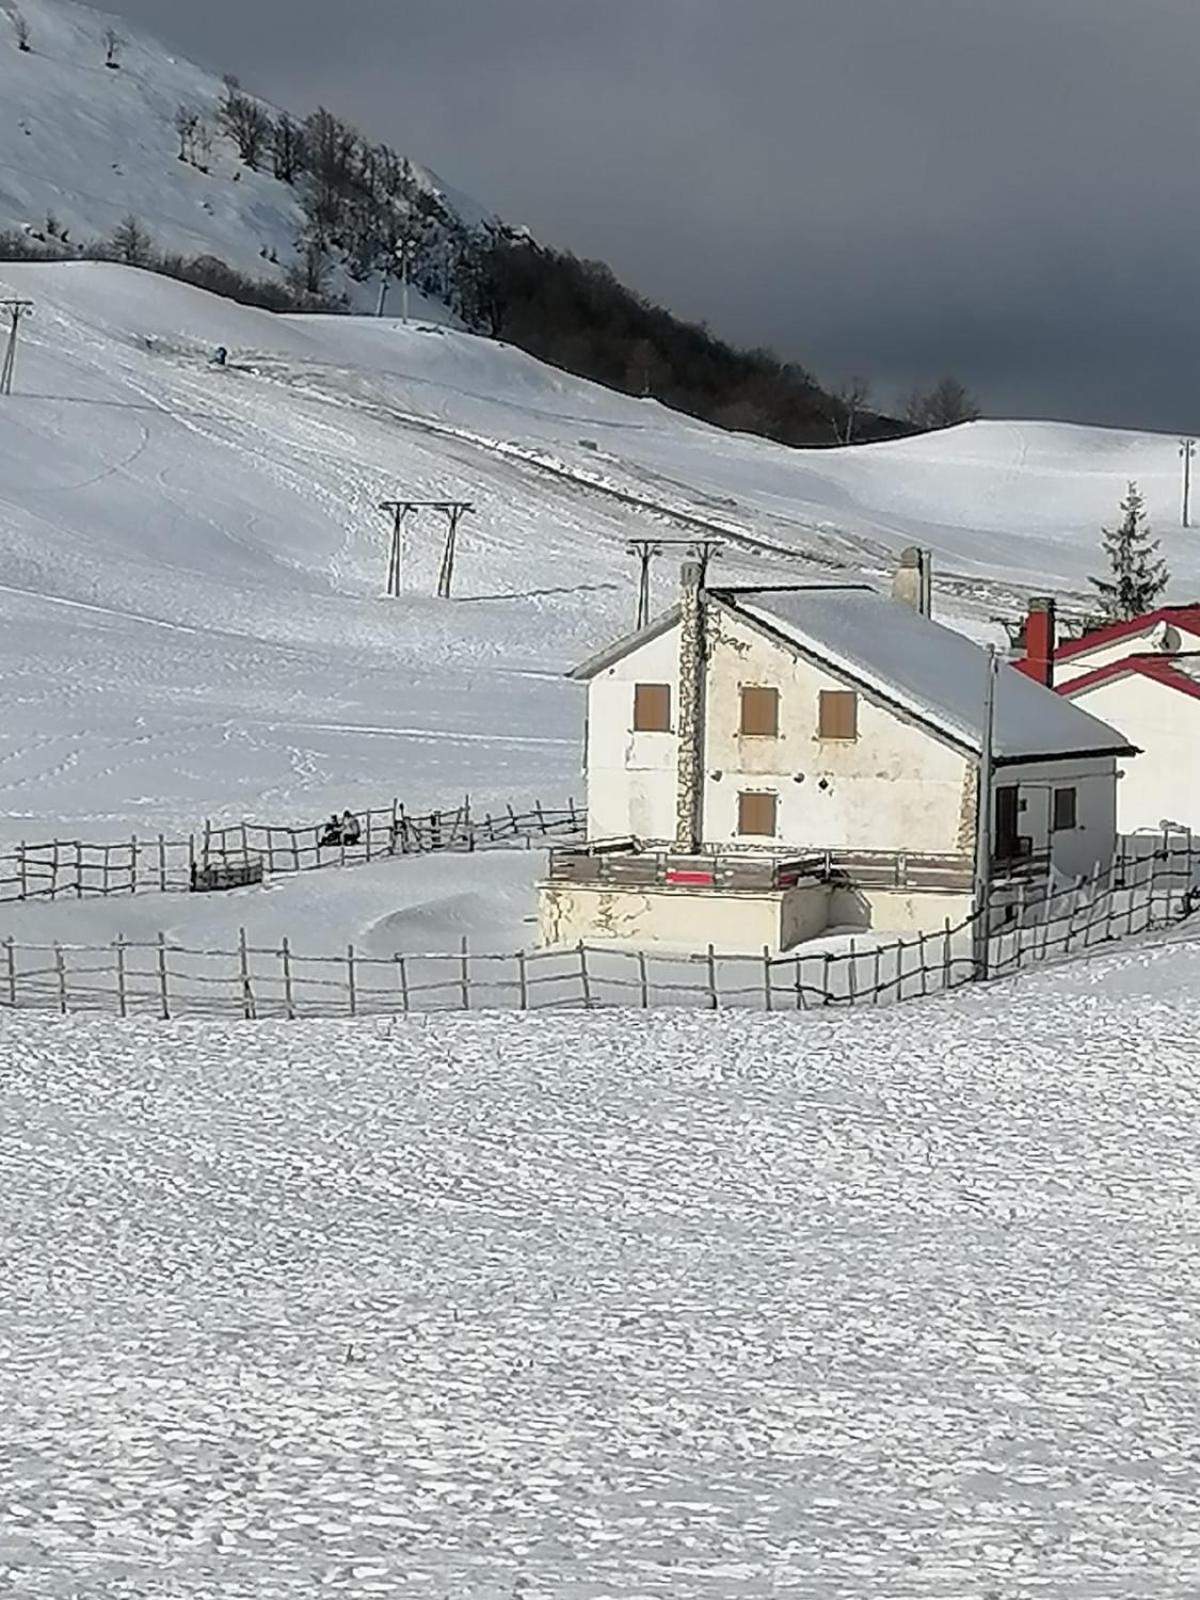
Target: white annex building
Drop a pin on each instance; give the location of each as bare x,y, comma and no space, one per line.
1144,677
825,759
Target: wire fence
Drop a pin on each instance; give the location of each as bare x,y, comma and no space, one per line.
1140,892
215,858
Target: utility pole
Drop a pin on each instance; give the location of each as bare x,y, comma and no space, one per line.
15,310
1187,449
980,926
701,552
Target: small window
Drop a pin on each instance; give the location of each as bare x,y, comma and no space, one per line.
756,815
838,714
1065,811
760,713
652,708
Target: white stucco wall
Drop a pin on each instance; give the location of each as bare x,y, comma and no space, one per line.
1163,783
631,776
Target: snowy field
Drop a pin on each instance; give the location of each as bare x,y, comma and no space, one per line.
192,561
595,1307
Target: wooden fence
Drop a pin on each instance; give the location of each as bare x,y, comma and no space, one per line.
216,856
165,979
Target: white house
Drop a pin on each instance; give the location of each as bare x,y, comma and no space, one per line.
1143,677
824,721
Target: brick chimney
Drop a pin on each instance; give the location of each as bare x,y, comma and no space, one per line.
1041,640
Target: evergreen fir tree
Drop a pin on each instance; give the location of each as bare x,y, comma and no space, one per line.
1138,574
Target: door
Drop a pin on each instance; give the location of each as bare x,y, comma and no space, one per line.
1006,846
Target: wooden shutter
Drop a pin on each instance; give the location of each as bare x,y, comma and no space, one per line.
652,708
1065,811
760,712
838,714
756,815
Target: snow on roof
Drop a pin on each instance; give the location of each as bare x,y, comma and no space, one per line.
931,671
1186,618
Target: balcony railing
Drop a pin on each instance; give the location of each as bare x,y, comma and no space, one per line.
623,863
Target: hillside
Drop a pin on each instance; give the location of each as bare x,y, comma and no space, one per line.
112,145
192,560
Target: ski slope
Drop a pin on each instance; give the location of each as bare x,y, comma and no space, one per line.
192,559
678,1306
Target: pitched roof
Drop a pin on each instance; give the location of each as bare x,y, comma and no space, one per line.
1181,673
1185,617
932,672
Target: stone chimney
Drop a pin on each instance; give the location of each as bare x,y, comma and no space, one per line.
1041,641
689,796
913,583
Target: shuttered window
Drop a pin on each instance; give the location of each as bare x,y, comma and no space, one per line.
838,718
756,815
760,712
1065,811
652,708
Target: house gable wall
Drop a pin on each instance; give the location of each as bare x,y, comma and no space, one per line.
1163,782
897,786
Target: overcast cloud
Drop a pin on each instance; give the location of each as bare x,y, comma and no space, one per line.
1003,189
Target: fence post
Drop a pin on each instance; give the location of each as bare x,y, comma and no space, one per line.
191,860
122,1002
353,985
162,864
394,835
714,999
133,864
244,962
643,978
827,978
286,954
853,974
402,973
768,996
60,967
11,959
465,975
78,869
879,969
584,977
162,977
537,806
523,979
207,840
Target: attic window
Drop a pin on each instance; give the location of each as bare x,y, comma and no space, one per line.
1066,811
652,708
838,716
757,815
760,712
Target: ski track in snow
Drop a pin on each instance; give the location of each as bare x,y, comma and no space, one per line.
609,1306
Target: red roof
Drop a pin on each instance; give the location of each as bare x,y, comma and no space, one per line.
1161,669
1185,617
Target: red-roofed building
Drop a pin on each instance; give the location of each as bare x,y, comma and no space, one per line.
1142,677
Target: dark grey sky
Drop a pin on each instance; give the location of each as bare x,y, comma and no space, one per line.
1005,189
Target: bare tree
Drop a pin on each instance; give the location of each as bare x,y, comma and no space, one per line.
113,45
246,123
20,27
187,124
944,406
850,400
310,273
131,243
287,149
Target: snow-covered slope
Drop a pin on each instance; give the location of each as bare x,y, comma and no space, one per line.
90,146
603,1305
192,561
